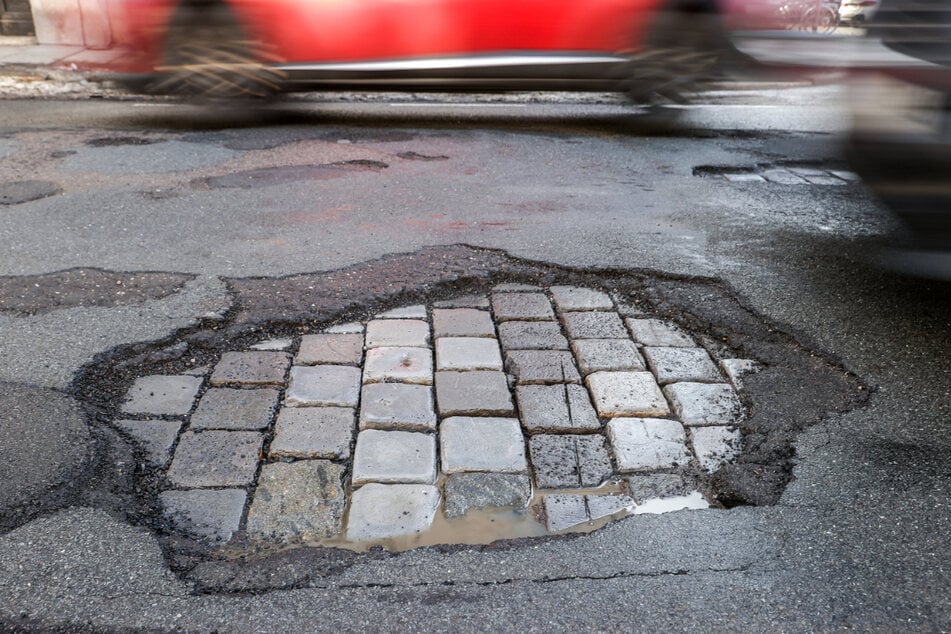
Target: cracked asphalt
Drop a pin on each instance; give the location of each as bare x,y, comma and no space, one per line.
856,541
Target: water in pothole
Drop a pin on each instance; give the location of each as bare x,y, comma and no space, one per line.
525,412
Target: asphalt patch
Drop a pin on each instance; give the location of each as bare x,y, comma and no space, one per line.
268,176
25,295
19,192
798,386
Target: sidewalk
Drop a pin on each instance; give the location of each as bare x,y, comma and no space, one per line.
24,51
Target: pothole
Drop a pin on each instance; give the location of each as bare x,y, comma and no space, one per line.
779,174
525,411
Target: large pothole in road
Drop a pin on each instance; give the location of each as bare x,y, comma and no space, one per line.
479,412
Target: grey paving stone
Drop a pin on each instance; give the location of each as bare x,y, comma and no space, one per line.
575,298
601,506
825,179
569,461
783,177
607,355
349,328
656,486
541,367
397,333
168,395
323,385
626,394
208,514
397,406
482,444
251,368
272,344
594,325
555,408
522,307
807,171
474,393
394,456
715,446
641,444
407,312
705,403
466,301
301,501
736,369
230,408
215,459
671,365
532,335
467,491
656,332
406,365
468,353
385,511
515,287
462,322
155,436
313,432
343,349
744,177
564,511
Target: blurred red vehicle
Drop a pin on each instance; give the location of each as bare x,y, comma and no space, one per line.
654,50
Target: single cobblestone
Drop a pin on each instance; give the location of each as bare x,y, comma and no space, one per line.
783,177
532,335
349,328
397,333
564,511
626,394
323,386
658,333
482,444
408,312
594,325
479,491
531,367
556,408
462,322
251,368
343,349
574,298
473,393
155,436
522,307
313,432
405,365
162,395
715,446
215,459
230,408
384,511
468,353
300,501
394,457
705,403
208,514
736,369
671,365
569,461
607,355
397,406
647,443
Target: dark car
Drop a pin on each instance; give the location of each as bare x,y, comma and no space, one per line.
901,138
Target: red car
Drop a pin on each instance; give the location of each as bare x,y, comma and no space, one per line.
654,50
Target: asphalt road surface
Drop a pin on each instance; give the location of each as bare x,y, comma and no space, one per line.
175,203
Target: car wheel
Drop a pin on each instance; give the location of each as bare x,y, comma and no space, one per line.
684,50
209,56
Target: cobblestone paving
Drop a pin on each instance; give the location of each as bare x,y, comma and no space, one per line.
527,398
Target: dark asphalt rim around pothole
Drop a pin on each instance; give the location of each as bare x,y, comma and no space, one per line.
795,389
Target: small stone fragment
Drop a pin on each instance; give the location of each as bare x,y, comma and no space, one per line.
522,307
532,335
541,367
705,403
462,322
594,325
626,394
330,349
215,459
607,355
251,368
656,332
349,328
313,432
323,386
647,443
654,486
272,345
394,456
473,393
736,369
208,514
299,501
468,353
155,436
715,446
403,364
671,365
230,408
575,298
162,395
397,333
467,491
397,406
482,444
383,511
407,312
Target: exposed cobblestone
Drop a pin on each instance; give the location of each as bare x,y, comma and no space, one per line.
594,325
397,406
607,355
230,408
522,307
575,298
565,511
384,511
468,353
407,365
349,328
482,444
479,491
466,301
162,395
157,437
300,501
394,457
626,394
474,393
736,369
541,367
647,443
528,335
409,312
342,349
658,333
569,461
671,365
704,404
313,432
323,385
556,408
656,486
251,368
215,459
462,322
715,446
395,333
208,514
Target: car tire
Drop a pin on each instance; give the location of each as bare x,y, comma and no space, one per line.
209,56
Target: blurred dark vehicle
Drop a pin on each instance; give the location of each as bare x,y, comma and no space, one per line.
901,139
655,51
